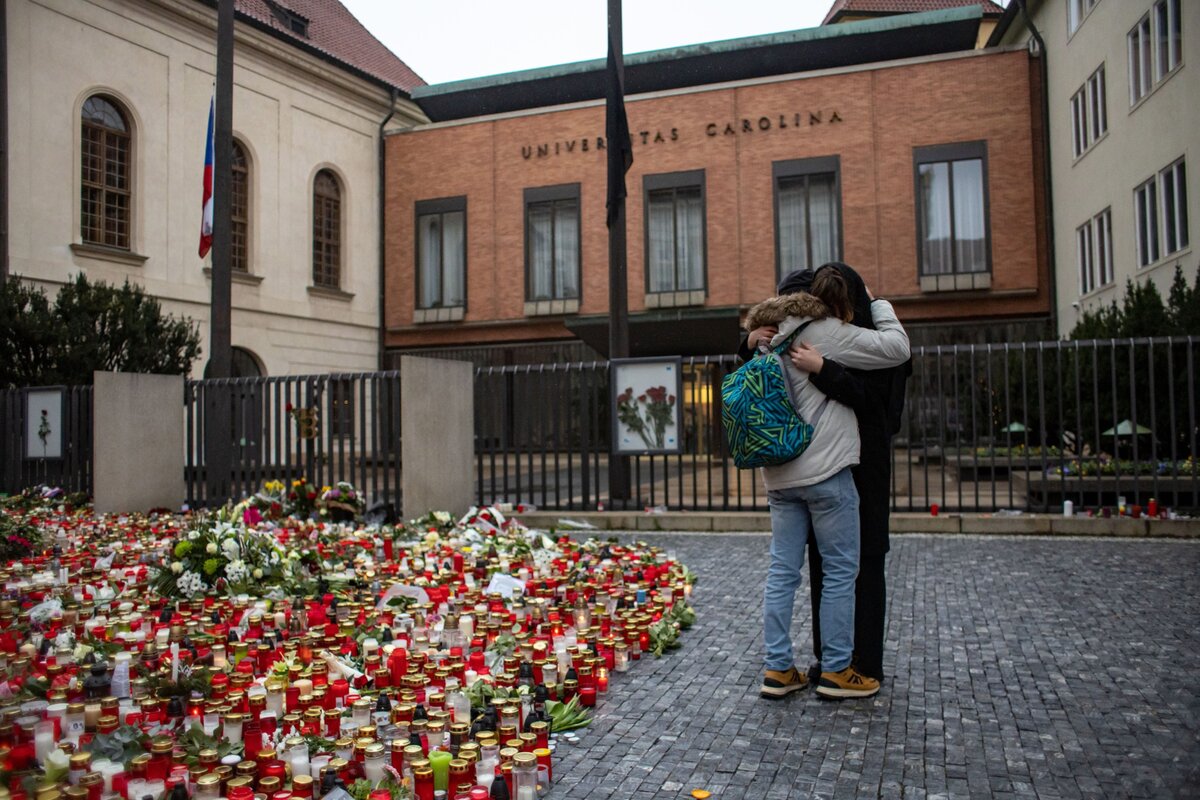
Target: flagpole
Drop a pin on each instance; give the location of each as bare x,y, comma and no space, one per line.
218,428
620,156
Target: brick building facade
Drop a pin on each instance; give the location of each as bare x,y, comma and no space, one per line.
920,171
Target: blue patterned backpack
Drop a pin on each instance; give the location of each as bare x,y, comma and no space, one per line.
762,426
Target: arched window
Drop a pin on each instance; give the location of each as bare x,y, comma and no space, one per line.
106,188
240,210
327,230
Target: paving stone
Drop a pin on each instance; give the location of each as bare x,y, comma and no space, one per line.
1016,667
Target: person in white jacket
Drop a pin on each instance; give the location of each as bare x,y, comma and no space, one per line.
818,486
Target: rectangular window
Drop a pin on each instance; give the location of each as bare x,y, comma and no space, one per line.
441,253
1093,252
1155,48
1160,214
552,245
675,233
953,234
808,229
1084,256
1089,113
1173,189
1076,11
1102,226
1145,214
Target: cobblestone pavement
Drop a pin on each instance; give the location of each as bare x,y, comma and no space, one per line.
1017,667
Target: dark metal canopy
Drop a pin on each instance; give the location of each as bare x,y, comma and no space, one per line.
671,332
826,47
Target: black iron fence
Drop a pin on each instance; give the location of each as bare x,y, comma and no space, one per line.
986,428
319,428
22,466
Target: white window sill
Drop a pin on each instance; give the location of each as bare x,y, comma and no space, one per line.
957,282
694,297
547,308
449,314
238,276
330,293
102,252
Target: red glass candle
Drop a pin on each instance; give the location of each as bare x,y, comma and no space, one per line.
587,696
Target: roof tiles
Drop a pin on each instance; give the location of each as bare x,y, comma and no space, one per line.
333,30
843,7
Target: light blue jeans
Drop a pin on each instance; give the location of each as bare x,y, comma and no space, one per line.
832,508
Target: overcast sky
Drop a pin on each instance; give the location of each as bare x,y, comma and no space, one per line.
449,40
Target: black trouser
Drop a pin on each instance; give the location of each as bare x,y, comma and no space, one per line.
870,602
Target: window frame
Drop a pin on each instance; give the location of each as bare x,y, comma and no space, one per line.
1077,12
552,195
234,220
117,241
439,206
338,229
1169,226
674,181
806,167
1089,113
1149,63
1178,222
950,153
1146,231
1093,253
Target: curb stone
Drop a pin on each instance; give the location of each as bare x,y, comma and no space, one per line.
901,522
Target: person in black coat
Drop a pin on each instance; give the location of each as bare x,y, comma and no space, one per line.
877,397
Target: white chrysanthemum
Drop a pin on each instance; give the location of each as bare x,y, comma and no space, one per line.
177,567
236,570
191,584
442,516
258,573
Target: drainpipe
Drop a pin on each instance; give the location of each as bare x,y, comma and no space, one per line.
1047,181
382,249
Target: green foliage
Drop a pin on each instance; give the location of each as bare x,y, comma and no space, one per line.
567,716
194,740
121,746
88,327
1142,312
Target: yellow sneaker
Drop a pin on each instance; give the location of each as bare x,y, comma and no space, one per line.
778,684
847,683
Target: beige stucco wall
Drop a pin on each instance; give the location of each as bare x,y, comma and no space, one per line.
1140,141
294,113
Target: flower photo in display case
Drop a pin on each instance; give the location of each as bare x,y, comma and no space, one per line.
43,422
646,405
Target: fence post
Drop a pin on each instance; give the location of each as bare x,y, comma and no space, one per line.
138,431
437,433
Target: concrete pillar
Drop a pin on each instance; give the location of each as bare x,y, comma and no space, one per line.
137,442
437,429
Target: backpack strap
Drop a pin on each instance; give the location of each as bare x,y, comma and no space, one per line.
786,343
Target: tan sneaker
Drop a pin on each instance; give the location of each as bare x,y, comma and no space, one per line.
778,684
847,683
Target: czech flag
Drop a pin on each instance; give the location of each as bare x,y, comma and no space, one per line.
206,219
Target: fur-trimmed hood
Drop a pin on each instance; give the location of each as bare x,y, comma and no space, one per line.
774,310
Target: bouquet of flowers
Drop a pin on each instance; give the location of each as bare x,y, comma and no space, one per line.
270,501
301,499
18,539
341,503
219,557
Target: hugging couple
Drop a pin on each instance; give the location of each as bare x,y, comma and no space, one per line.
847,370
